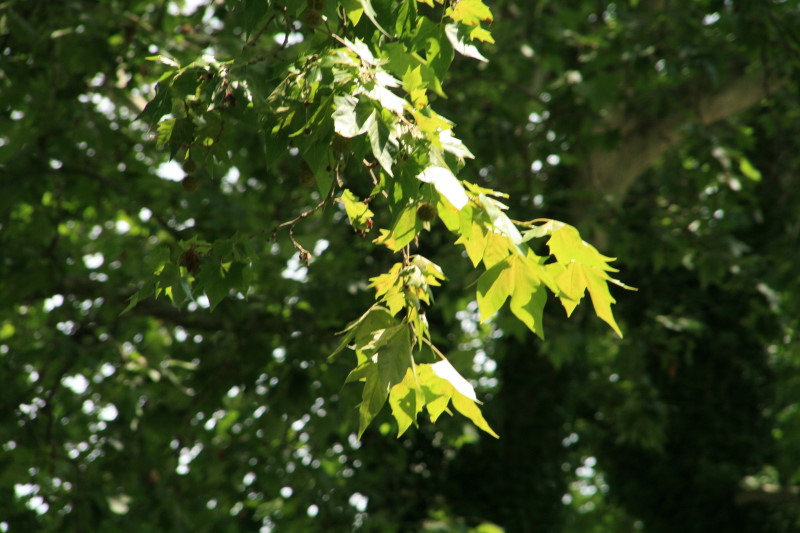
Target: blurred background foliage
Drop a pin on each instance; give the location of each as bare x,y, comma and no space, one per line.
667,131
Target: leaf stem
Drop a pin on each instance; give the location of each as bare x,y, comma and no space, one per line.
434,348
529,223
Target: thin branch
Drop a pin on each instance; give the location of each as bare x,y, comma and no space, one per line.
286,33
305,255
254,39
276,53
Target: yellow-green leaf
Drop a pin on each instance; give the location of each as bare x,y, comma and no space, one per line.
403,231
520,278
494,287
360,331
406,400
469,408
353,10
441,383
474,242
566,244
436,390
573,282
470,12
498,247
583,268
447,213
602,299
542,230
529,296
482,34
357,211
389,289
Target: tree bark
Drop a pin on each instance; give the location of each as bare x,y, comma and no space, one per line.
613,172
770,494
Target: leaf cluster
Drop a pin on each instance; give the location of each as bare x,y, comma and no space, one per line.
359,104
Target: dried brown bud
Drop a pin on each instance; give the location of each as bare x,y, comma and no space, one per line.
191,260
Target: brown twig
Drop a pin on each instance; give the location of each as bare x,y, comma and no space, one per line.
305,255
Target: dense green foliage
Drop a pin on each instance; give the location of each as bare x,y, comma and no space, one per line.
196,198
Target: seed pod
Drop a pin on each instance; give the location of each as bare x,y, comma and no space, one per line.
312,17
189,166
190,183
426,212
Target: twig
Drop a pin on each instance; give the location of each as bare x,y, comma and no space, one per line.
286,34
254,39
304,254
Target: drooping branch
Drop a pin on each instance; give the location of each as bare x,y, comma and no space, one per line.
613,172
